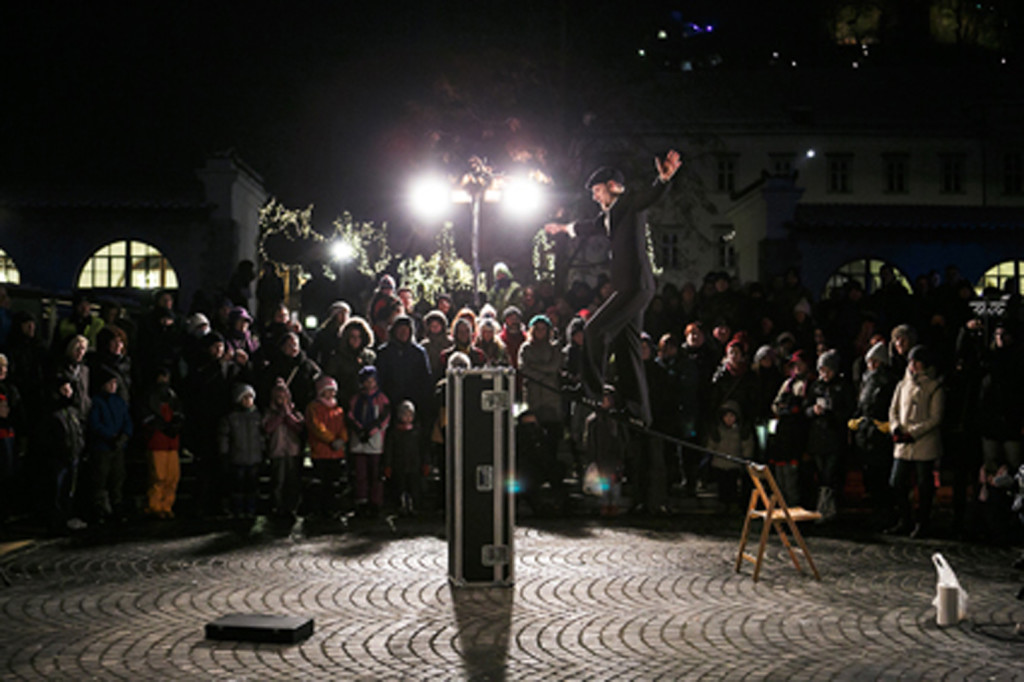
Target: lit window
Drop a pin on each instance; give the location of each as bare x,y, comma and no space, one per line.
952,177
997,276
865,271
8,270
127,265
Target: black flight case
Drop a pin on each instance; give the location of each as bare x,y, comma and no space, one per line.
480,476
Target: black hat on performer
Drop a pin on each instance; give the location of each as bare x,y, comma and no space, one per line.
604,174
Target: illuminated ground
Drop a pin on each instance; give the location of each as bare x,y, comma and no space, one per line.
592,600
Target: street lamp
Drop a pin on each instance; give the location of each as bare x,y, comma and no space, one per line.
481,184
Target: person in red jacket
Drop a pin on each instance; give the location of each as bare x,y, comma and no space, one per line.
162,418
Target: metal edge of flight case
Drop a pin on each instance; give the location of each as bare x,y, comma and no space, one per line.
480,474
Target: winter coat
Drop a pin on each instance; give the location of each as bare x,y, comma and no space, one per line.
110,423
735,384
827,432
730,441
368,419
299,374
283,429
1000,399
403,371
542,361
402,452
873,402
163,416
790,439
324,425
434,346
916,409
240,438
606,441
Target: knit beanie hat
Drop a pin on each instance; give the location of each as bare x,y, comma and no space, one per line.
830,359
242,390
324,382
879,352
367,372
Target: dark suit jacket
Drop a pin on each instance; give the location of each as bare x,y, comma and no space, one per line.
630,266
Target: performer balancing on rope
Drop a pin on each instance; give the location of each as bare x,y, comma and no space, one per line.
615,326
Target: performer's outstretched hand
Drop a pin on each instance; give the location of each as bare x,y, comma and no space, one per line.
555,228
668,166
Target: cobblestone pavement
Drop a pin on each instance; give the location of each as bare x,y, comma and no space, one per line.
655,600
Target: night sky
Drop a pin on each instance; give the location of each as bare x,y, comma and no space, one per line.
333,103
320,98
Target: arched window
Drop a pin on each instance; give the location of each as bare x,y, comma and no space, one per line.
127,265
867,272
8,270
998,275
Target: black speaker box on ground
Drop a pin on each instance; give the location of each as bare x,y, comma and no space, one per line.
254,627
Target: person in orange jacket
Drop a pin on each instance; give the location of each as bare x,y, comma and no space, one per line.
325,424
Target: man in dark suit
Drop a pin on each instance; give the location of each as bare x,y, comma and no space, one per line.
617,324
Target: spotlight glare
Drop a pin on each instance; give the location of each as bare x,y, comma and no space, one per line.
431,197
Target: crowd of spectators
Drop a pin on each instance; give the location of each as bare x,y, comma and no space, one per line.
901,390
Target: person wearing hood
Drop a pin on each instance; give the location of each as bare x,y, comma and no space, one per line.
240,340
915,419
462,342
870,426
436,340
80,322
283,426
403,367
728,438
162,421
240,442
488,343
506,290
355,351
828,405
110,429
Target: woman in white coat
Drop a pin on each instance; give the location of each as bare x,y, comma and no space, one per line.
915,416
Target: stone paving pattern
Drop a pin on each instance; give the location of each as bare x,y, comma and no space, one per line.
657,599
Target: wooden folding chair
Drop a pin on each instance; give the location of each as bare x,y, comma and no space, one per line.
768,505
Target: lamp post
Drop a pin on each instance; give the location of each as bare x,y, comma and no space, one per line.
479,185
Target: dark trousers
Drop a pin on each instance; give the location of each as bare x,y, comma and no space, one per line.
329,474
899,481
245,488
615,327
648,455
108,475
284,477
